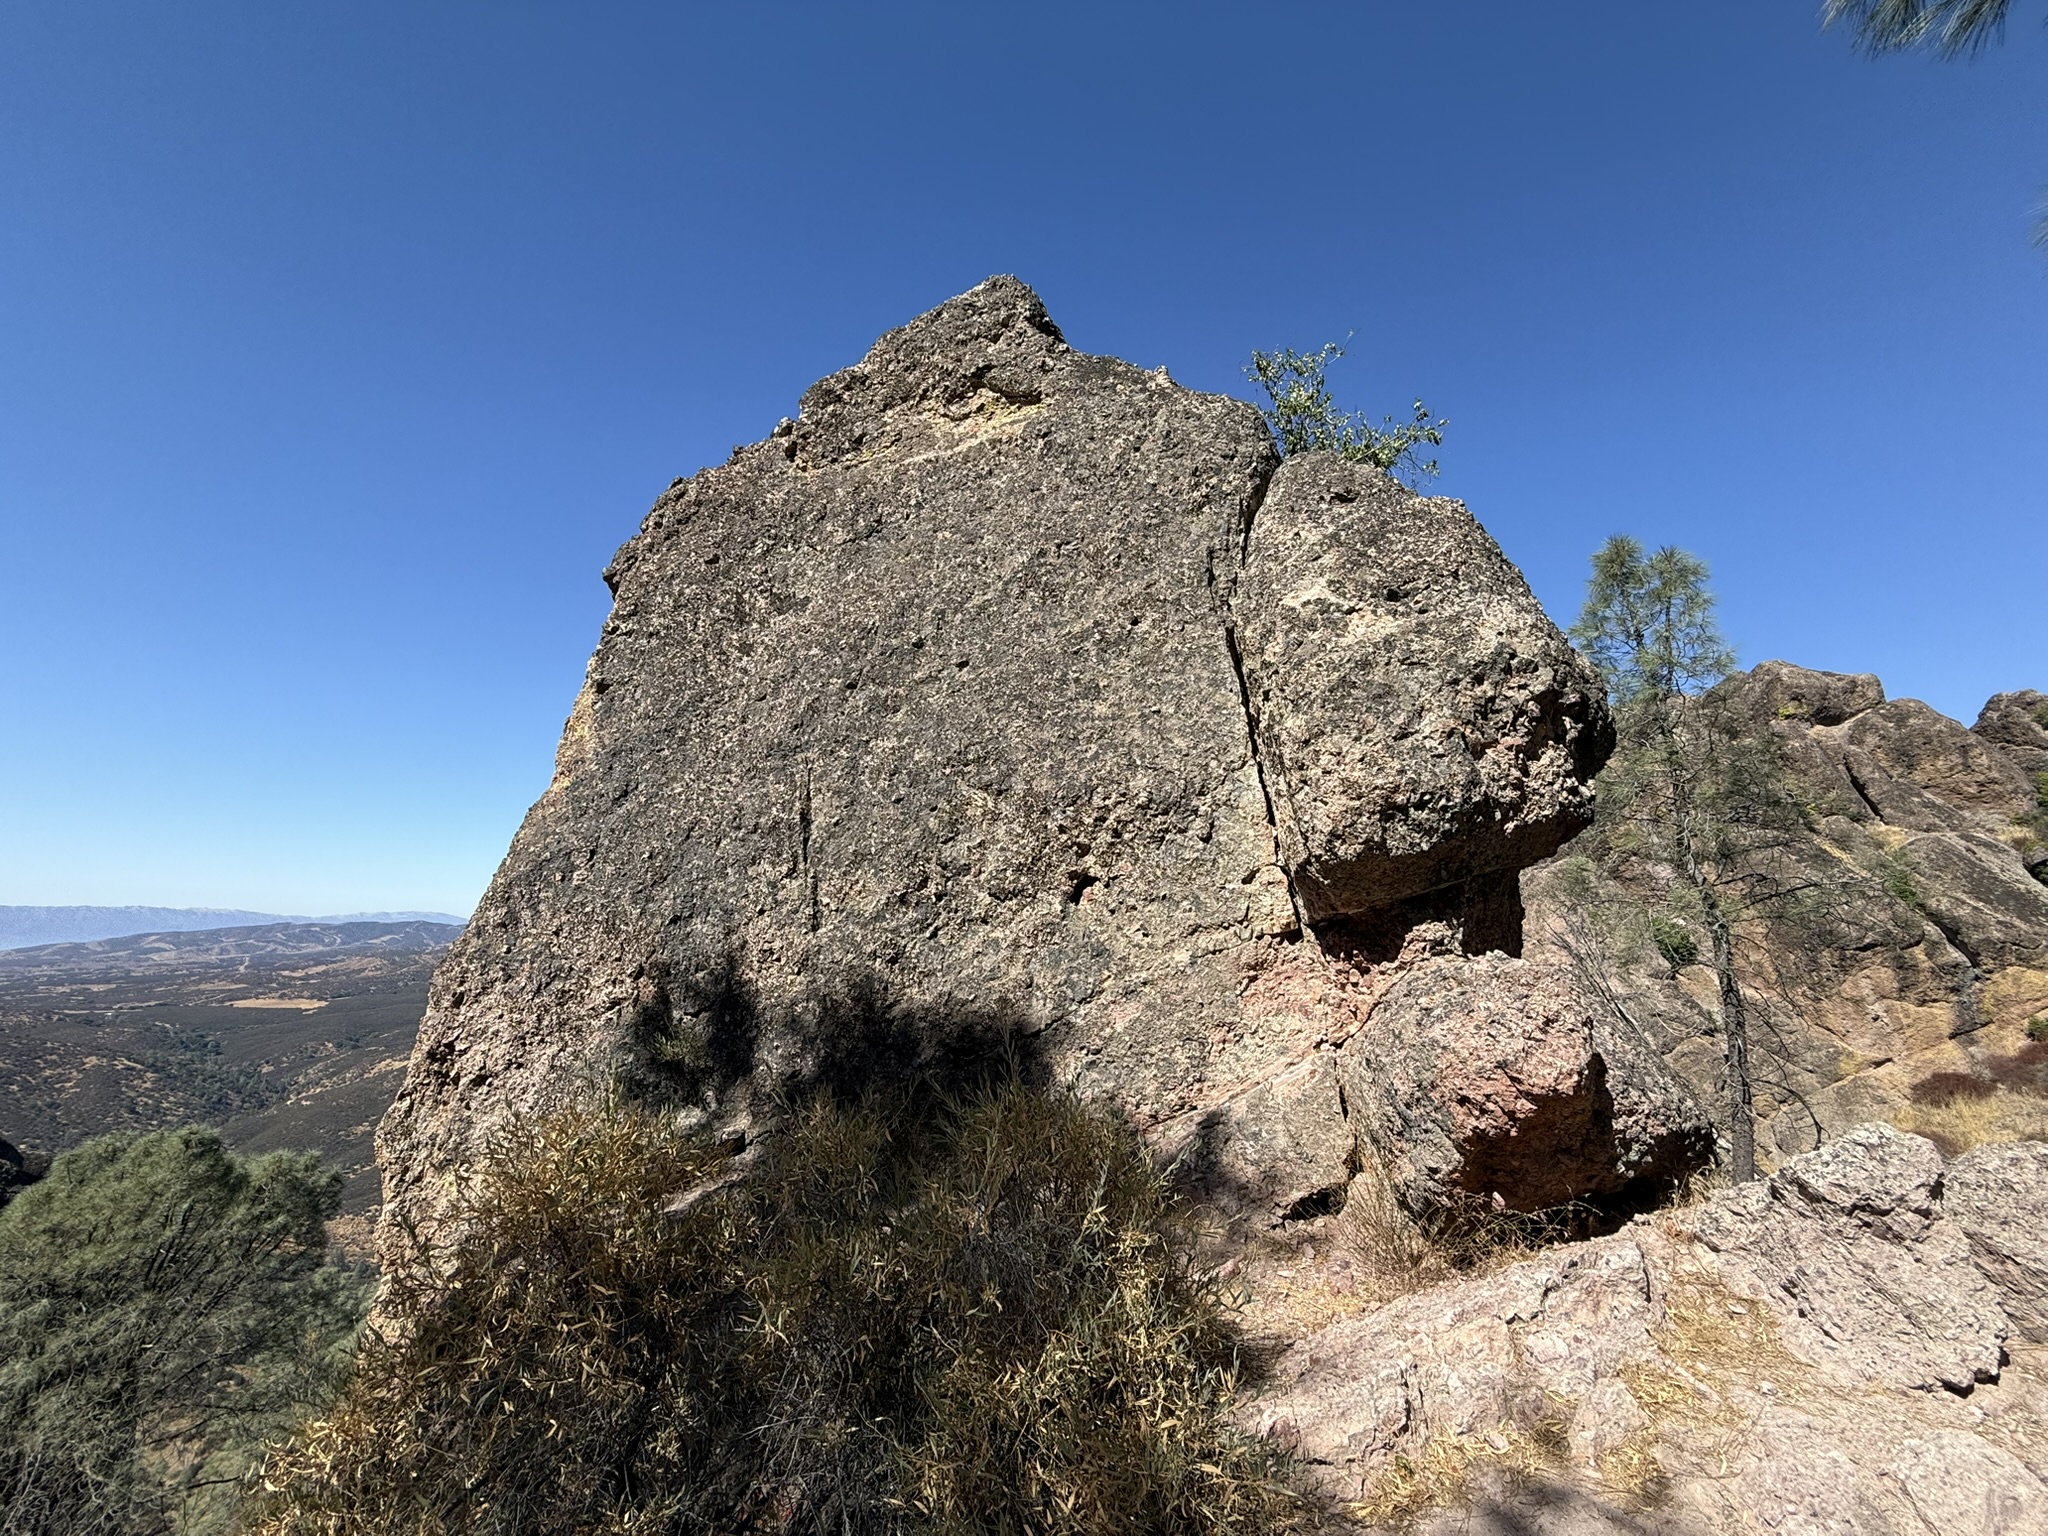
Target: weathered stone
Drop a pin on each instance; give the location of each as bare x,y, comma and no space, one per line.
930,707
1423,721
1981,897
1923,946
1750,1350
1998,1195
1777,690
1507,1079
1608,1415
2017,723
1960,1485
1877,1287
1939,755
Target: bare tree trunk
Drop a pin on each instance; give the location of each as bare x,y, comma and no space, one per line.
1735,1044
1734,1012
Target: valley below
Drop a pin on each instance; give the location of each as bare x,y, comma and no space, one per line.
284,1036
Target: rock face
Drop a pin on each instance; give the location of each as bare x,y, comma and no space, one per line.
1938,956
2018,724
1996,1194
1817,1351
1507,1078
1424,723
1010,681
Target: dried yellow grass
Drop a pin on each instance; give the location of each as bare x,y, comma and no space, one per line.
1966,1122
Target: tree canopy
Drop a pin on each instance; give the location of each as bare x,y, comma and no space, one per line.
1305,417
164,1306
1955,27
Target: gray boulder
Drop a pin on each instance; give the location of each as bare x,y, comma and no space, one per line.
930,713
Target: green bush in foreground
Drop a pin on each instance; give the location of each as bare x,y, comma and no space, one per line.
915,1314
164,1308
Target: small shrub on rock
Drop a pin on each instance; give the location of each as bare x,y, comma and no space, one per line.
914,1313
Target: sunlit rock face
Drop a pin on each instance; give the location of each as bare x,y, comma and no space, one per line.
1010,685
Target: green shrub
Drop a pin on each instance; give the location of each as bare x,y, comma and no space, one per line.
1305,419
164,1307
912,1314
1674,941
1899,875
2037,1028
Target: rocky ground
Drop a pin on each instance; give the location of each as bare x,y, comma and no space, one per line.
1854,1345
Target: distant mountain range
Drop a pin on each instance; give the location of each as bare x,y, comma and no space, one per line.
21,927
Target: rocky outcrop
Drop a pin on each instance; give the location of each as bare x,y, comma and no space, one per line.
1424,723
2017,723
1932,954
1507,1079
1818,1347
1009,685
1997,1195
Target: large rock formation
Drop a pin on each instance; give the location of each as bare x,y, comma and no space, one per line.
1012,681
1508,1079
1935,954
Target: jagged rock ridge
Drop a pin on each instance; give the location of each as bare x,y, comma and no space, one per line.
1937,957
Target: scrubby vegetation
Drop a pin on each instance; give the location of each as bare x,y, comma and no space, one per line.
2004,1097
165,1307
1305,418
914,1311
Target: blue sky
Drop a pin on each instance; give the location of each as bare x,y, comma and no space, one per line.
340,344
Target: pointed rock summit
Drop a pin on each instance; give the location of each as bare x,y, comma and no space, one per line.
1011,682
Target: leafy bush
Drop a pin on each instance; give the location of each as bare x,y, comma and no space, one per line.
912,1313
2037,1028
164,1308
1674,942
1305,418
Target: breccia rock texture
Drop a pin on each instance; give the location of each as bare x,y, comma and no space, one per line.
1507,1078
1011,684
1997,1194
1821,1346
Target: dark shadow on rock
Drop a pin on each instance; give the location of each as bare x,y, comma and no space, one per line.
696,1030
700,1031
1477,916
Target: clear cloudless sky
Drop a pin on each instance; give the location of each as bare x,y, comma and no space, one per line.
341,343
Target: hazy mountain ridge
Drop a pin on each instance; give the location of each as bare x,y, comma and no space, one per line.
22,927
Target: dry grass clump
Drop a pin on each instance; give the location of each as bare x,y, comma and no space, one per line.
1439,1475
2004,1098
1393,1253
914,1314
